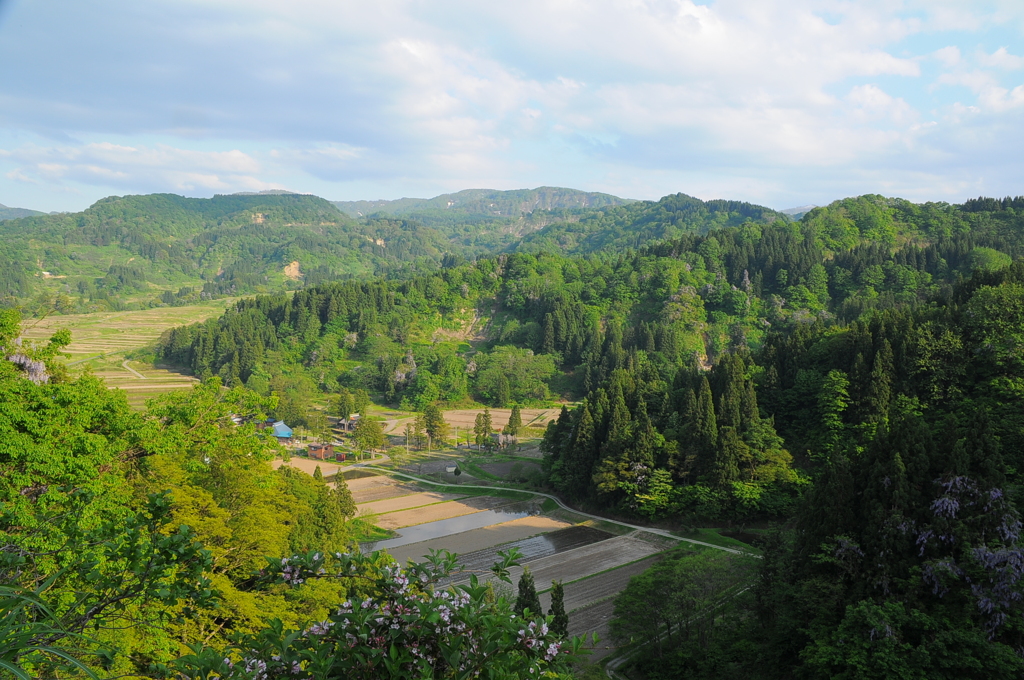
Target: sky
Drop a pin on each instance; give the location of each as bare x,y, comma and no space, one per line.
779,102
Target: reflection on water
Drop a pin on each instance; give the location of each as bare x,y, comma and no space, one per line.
456,525
533,548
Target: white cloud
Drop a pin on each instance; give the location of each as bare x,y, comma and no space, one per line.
116,165
1001,59
402,92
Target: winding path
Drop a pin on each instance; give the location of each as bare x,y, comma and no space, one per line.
131,370
613,666
556,499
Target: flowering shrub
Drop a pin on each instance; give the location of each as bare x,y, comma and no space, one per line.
407,627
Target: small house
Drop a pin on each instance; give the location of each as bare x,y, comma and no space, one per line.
339,457
348,424
321,451
281,431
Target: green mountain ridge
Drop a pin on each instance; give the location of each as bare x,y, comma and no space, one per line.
167,249
488,204
7,213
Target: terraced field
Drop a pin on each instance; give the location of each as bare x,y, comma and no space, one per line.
100,340
594,565
154,381
480,539
413,500
375,488
439,511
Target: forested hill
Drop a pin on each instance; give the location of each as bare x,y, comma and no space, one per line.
856,377
561,325
14,213
168,249
475,205
641,222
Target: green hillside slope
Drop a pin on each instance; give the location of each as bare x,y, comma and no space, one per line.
641,222
14,213
179,249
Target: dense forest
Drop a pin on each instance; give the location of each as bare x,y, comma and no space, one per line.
162,249
856,376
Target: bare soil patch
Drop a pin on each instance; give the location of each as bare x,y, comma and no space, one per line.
377,488
414,500
432,513
479,539
308,465
292,270
532,417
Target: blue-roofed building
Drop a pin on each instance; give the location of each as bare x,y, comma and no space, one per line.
281,431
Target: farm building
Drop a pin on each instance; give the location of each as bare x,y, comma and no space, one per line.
281,431
339,457
321,451
349,424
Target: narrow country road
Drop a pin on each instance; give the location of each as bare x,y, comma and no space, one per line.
556,499
612,667
131,370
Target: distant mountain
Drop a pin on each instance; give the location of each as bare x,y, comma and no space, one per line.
14,213
265,192
164,248
797,213
643,222
180,249
483,204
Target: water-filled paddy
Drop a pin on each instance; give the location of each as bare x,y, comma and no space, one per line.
455,525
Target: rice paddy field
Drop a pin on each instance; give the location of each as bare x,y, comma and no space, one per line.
532,417
593,564
99,341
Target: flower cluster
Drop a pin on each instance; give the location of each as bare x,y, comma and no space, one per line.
34,370
400,625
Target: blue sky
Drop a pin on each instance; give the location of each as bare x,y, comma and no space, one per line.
778,102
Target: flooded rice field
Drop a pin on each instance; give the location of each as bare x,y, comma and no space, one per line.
534,548
431,514
479,539
476,519
585,561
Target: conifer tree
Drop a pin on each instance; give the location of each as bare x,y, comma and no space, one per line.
502,392
578,463
486,427
515,421
478,430
318,475
704,429
547,345
527,598
435,424
729,451
617,429
343,496
879,392
560,620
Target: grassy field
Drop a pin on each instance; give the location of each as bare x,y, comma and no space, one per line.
99,342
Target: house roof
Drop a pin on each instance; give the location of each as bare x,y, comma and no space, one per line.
282,430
